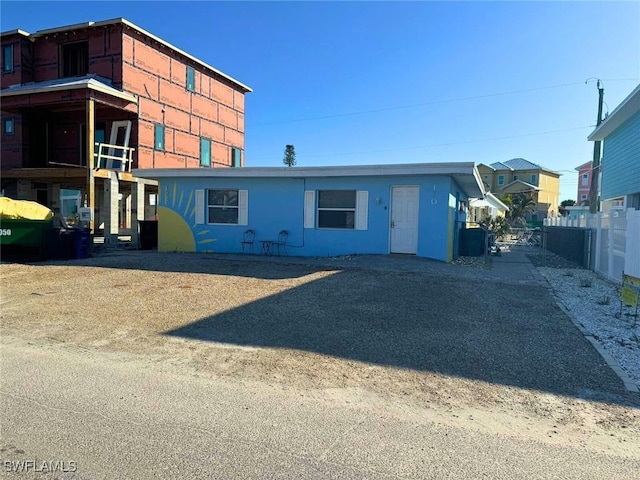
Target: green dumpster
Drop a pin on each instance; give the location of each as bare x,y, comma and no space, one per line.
21,233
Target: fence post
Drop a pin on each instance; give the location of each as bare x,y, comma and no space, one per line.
632,247
610,246
598,262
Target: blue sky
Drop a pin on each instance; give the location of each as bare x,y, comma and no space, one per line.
390,82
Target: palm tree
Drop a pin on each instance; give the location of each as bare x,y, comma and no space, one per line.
521,205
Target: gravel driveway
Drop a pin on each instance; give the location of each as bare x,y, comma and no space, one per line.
418,332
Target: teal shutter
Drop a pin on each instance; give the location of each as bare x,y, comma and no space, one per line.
7,58
205,152
8,126
159,137
236,157
191,79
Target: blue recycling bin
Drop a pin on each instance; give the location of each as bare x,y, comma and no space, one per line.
81,242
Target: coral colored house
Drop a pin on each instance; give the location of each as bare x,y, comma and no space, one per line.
584,182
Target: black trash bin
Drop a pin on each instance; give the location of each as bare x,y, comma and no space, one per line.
148,234
472,242
59,243
81,242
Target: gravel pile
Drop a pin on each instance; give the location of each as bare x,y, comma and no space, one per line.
595,303
548,259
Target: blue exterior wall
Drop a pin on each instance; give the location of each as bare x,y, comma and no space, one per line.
276,204
621,160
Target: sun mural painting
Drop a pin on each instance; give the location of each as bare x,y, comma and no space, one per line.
174,219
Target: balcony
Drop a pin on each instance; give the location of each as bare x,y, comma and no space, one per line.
113,157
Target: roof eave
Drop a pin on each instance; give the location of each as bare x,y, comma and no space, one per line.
56,88
627,108
464,173
490,197
580,167
126,22
15,31
488,166
322,171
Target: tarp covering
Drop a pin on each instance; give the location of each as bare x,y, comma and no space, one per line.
23,210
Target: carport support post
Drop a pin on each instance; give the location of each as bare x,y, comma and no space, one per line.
91,182
137,209
111,209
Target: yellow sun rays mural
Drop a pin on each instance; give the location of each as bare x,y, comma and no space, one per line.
175,234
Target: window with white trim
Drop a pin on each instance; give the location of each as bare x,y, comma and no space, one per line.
500,179
222,206
585,179
583,197
534,179
336,209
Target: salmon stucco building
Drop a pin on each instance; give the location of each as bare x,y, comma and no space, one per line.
83,105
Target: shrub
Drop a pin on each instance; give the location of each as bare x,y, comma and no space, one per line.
585,282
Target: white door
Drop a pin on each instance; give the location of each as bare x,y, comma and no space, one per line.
404,219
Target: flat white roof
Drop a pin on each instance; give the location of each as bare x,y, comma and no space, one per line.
465,173
92,82
15,31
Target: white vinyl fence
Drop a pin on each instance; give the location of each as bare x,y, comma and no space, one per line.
617,240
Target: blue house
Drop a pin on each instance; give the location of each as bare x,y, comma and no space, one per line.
413,209
620,165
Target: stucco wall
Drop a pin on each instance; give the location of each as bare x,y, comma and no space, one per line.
276,204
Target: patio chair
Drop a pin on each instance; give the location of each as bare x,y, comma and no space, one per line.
248,238
281,243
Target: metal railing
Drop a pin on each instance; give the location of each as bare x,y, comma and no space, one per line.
113,157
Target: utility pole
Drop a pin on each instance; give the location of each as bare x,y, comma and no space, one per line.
594,200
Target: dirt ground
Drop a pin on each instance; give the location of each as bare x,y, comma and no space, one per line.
501,354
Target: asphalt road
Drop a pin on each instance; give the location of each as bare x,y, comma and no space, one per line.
116,417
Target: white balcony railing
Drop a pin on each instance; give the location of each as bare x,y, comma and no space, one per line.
113,157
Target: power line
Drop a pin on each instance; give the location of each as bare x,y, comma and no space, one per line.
443,144
434,102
